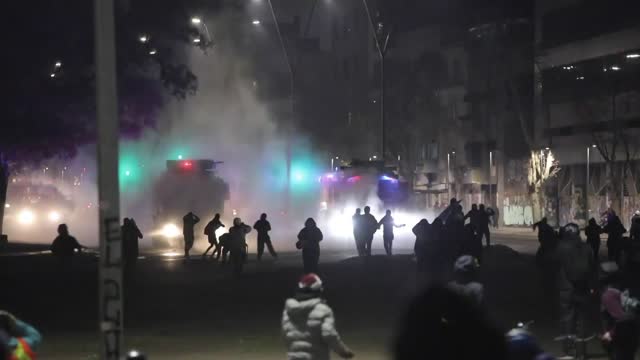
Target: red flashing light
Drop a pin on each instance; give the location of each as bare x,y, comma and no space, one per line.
187,165
354,179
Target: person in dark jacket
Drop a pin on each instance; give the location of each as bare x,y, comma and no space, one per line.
238,244
210,231
369,227
592,232
388,223
130,235
483,225
65,245
472,215
356,219
615,230
189,222
309,241
263,227
421,247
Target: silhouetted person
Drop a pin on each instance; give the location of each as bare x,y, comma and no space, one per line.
546,235
615,230
369,227
453,212
593,231
238,244
483,225
421,246
210,231
309,241
189,222
65,245
474,216
356,220
130,235
263,227
388,223
442,324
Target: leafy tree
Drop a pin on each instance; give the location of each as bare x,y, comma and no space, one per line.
50,77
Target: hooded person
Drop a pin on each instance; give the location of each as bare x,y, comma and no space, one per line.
130,240
309,241
263,226
189,222
308,324
64,245
356,220
237,244
465,281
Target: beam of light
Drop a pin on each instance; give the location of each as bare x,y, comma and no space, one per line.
54,216
26,217
170,231
171,254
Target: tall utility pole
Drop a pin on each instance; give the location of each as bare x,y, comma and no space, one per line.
110,272
381,46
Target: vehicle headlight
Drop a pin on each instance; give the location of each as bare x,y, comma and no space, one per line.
26,217
54,216
170,230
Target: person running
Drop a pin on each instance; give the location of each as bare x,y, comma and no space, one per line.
309,241
263,227
210,231
18,340
308,324
189,222
369,226
388,223
237,244
592,232
356,220
64,245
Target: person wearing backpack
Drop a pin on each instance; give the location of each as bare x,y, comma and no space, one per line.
574,281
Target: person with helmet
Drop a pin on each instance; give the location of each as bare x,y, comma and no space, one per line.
189,222
237,244
574,281
18,340
522,345
620,332
466,282
263,227
308,324
309,241
210,231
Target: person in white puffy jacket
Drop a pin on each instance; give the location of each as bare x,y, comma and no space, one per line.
308,325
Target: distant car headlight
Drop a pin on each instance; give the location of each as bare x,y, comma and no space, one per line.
54,216
26,217
170,231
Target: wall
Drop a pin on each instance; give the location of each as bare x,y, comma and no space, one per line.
517,211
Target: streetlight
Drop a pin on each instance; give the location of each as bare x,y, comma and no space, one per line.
256,22
633,56
196,20
586,188
52,75
153,52
196,40
143,38
58,64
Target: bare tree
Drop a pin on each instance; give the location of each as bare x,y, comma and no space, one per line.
542,167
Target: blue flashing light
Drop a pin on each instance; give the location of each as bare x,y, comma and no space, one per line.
388,178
